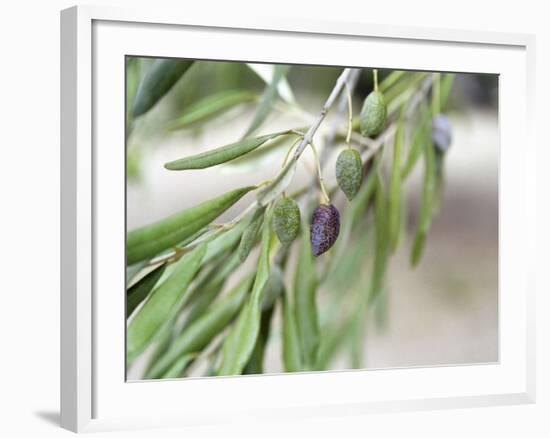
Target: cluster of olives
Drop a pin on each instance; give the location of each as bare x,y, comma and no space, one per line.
325,220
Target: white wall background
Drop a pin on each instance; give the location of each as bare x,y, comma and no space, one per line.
29,215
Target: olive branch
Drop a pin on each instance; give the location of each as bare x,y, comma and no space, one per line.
178,305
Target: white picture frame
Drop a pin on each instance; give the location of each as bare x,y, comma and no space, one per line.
94,394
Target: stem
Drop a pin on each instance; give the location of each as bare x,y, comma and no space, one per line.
375,74
350,114
325,198
308,137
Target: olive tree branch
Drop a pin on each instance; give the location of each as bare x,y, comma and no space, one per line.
371,147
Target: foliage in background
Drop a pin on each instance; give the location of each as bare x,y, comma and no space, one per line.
311,243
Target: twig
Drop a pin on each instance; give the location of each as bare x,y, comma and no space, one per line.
308,138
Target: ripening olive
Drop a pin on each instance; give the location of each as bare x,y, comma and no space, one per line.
349,172
325,227
286,220
373,114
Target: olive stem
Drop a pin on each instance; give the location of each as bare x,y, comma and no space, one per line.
350,115
308,137
290,150
325,198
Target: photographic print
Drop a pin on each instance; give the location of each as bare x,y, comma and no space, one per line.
303,218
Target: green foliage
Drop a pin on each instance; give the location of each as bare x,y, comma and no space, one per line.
195,298
239,343
305,287
152,239
162,76
268,98
162,301
248,239
139,291
213,157
210,107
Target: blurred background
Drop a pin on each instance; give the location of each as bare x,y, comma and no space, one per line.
443,312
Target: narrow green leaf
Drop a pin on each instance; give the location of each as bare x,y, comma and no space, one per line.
255,364
177,369
139,291
161,77
419,141
426,207
224,242
151,239
363,198
305,285
381,240
161,303
132,79
331,343
259,156
269,96
248,239
357,331
292,353
199,334
395,185
240,342
132,270
207,290
273,288
390,80
220,155
210,107
445,88
265,72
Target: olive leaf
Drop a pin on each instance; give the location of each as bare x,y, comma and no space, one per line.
426,207
240,342
200,333
265,72
248,239
292,356
160,305
151,239
210,107
381,239
133,270
211,286
390,80
305,286
220,155
268,98
419,141
225,241
255,364
161,77
179,366
259,156
445,88
206,283
132,81
139,291
395,196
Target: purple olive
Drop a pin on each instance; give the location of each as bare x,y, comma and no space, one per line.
325,227
441,132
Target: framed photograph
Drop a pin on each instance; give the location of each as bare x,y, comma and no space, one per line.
277,219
